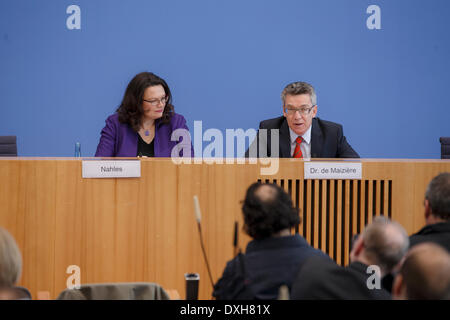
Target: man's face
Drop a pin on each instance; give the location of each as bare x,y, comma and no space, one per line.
299,112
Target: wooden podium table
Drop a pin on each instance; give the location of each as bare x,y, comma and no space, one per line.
144,229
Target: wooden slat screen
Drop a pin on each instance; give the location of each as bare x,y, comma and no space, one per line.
332,212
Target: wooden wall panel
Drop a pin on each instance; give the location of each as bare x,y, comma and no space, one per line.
130,215
70,224
363,206
339,225
192,180
331,225
315,227
324,224
100,211
38,187
164,240
308,212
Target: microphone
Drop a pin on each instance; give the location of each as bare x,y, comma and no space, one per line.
235,239
198,217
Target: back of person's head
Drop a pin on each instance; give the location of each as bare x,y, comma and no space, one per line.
425,274
385,243
268,209
10,260
14,293
438,196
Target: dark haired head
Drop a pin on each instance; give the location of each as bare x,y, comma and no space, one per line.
297,88
268,211
438,195
130,110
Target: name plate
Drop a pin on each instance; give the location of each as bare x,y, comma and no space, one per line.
333,170
111,169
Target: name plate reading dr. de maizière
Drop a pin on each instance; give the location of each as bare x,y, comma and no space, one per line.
111,169
333,170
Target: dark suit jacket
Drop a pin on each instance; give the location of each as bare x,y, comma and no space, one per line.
327,140
438,233
323,279
266,265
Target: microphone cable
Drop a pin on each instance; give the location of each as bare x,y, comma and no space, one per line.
199,218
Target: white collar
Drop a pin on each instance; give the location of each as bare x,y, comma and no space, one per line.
306,136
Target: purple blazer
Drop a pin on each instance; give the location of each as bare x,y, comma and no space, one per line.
119,140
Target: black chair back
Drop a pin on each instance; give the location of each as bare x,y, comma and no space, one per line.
445,147
8,146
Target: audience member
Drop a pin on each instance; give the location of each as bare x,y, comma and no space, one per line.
437,213
273,257
376,252
10,268
424,275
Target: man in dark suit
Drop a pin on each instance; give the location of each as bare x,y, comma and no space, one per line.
377,252
273,256
437,213
299,133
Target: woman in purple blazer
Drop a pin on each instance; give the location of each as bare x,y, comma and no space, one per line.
145,123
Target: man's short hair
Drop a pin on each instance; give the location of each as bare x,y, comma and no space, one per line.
425,272
267,215
297,88
10,260
438,195
385,242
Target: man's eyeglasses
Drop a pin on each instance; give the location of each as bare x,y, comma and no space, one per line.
156,102
303,111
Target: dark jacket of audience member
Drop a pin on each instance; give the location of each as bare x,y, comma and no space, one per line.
376,253
273,257
438,233
324,279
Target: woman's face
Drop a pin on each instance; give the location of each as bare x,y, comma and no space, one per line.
154,102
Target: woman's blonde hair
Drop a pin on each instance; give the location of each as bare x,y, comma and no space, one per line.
10,260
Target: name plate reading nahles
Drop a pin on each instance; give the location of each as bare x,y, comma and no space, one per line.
111,169
333,170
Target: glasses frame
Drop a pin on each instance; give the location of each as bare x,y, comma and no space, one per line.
302,111
156,102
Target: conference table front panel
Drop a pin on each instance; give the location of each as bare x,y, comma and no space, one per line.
144,229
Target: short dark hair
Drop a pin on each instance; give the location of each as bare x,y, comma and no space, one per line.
130,110
299,87
438,195
265,217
